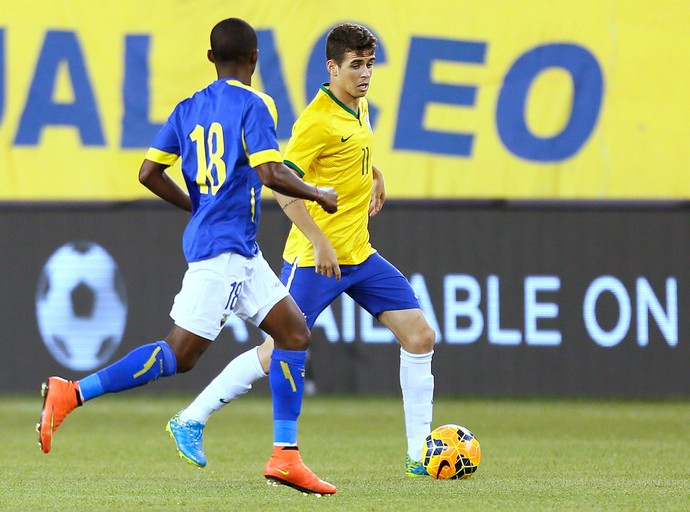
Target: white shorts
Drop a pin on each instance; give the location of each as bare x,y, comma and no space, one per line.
228,283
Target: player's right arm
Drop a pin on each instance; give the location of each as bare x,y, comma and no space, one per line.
153,176
163,153
325,257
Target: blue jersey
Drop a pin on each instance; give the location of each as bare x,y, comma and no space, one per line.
221,133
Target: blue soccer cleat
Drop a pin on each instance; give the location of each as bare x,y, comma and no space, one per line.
188,436
414,468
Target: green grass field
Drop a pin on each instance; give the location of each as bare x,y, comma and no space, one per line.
113,454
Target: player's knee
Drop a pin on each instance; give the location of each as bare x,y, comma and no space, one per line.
292,339
427,339
297,339
421,341
184,364
186,358
302,339
187,348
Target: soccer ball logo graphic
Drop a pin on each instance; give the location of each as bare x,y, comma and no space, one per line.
451,451
81,305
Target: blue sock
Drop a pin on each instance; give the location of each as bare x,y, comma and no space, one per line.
286,377
141,366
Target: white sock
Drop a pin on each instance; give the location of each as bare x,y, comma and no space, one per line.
417,384
235,380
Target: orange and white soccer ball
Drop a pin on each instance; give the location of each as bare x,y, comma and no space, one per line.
451,452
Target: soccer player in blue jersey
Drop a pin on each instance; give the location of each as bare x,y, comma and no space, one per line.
226,138
326,255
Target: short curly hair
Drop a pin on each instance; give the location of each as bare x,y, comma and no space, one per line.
349,37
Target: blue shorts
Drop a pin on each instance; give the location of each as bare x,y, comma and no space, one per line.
374,284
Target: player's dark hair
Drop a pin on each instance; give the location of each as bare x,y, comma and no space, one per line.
348,37
232,39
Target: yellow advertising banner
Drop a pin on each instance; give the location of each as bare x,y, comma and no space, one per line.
519,99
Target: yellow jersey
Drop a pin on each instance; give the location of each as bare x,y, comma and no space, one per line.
331,146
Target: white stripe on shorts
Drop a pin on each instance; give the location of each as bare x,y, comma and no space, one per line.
292,274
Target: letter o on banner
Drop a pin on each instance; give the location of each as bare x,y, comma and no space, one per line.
588,84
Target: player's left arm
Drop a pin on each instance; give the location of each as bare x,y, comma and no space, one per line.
378,192
153,176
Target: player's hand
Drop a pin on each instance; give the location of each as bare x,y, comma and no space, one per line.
326,260
378,197
327,198
378,193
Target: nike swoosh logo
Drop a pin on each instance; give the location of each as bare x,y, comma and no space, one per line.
225,401
281,471
345,139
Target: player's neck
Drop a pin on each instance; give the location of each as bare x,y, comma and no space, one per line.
344,97
241,73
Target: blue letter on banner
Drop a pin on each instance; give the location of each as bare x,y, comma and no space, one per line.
271,71
418,91
40,110
588,83
137,130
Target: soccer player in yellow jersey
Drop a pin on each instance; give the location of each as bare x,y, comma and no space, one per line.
326,255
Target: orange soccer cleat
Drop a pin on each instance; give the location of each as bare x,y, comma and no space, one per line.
285,467
60,397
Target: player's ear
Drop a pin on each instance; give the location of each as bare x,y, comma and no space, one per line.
210,56
254,57
332,67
